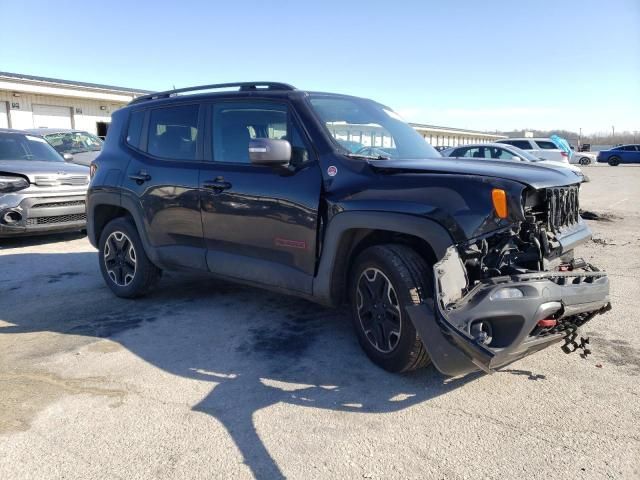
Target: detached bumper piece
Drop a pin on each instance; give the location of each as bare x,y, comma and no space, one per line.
44,215
503,319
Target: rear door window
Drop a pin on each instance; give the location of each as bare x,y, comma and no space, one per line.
459,152
477,152
523,144
173,132
546,145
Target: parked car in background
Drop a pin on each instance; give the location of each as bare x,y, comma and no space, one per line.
499,151
620,154
76,146
543,148
374,152
39,192
583,158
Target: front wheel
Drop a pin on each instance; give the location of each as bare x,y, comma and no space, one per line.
614,161
386,279
585,161
125,267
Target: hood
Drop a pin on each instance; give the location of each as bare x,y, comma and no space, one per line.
84,158
47,173
533,175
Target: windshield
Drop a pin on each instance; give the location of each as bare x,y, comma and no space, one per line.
74,142
363,128
15,146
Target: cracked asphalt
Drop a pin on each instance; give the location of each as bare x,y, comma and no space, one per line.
206,379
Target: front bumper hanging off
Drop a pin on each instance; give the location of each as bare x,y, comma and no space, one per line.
490,326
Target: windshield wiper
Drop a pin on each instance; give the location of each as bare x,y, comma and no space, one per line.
368,157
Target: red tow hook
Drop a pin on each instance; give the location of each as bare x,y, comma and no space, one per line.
547,323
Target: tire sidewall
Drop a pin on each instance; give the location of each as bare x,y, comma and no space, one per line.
614,161
136,286
394,360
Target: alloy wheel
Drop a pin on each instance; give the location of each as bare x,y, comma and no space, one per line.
120,259
379,310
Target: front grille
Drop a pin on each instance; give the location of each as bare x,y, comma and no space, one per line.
73,203
73,217
562,207
61,179
75,180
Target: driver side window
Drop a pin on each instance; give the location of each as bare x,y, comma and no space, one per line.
236,123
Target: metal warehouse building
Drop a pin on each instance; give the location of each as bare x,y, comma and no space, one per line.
27,101
452,137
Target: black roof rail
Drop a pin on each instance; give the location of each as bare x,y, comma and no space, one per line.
242,86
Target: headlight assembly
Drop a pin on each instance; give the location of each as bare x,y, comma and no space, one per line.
12,184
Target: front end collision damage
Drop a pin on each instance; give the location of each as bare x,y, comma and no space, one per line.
499,320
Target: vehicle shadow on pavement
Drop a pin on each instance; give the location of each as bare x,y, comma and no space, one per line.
257,349
35,240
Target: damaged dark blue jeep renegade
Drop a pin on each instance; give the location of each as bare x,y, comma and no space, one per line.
465,263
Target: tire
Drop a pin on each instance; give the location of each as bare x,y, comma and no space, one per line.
391,342
125,267
585,161
614,161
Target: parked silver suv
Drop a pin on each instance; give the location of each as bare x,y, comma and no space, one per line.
543,148
39,192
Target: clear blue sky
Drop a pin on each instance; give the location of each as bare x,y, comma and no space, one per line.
477,64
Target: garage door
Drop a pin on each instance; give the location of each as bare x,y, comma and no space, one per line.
51,116
4,119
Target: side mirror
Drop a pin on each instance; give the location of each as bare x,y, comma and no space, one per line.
265,151
516,158
67,157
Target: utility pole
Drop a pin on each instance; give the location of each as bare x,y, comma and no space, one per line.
580,139
613,131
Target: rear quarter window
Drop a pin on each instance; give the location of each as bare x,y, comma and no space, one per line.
134,131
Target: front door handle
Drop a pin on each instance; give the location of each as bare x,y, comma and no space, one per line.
217,185
141,177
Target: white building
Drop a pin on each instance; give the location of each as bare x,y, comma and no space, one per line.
27,101
452,137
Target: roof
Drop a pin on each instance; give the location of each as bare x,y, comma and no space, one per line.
530,138
13,130
47,131
97,86
488,144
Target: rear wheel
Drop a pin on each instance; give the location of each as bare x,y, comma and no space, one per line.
614,161
386,279
125,267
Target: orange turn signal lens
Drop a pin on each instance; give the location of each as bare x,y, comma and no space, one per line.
499,198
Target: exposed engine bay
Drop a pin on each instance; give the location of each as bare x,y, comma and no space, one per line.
534,244
521,287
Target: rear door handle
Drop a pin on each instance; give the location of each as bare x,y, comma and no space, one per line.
141,176
217,185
